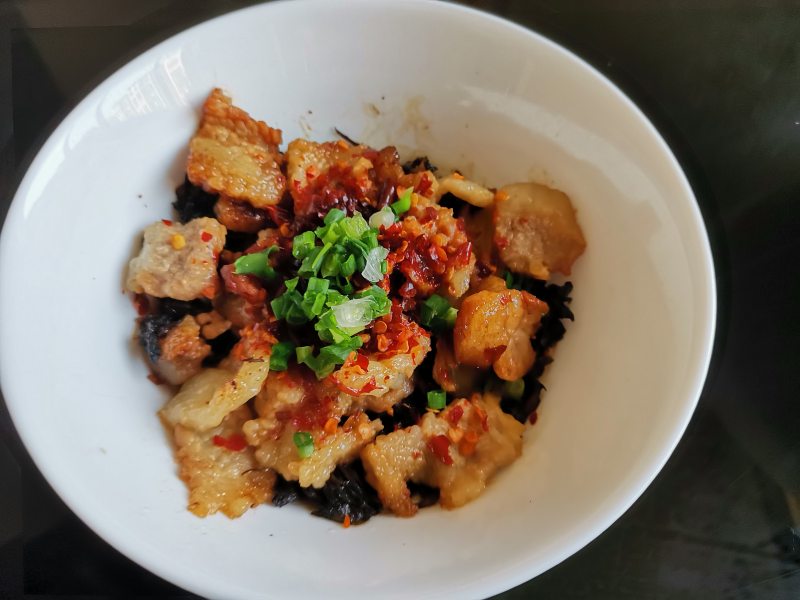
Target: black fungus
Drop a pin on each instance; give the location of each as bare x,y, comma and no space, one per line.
551,330
346,493
152,329
285,492
419,164
423,495
409,410
168,312
177,309
221,346
192,202
237,241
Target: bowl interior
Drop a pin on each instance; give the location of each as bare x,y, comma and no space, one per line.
471,91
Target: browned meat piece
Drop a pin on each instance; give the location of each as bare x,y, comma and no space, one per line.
451,376
178,261
239,216
431,248
182,352
457,450
381,374
329,174
535,230
234,155
293,401
220,469
468,191
480,229
339,446
207,398
494,328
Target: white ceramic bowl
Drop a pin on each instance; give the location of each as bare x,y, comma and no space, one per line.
467,89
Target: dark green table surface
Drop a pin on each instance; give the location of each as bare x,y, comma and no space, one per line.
721,81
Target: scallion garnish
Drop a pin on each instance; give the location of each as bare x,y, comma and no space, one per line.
256,264
279,359
322,293
403,203
437,313
304,443
437,399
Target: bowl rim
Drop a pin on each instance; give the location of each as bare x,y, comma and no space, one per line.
517,572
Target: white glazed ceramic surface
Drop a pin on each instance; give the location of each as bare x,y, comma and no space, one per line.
467,89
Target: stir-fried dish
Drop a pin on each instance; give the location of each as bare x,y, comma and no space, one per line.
344,329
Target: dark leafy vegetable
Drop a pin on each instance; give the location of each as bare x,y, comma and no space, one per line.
221,346
551,330
423,495
168,312
420,163
346,493
193,202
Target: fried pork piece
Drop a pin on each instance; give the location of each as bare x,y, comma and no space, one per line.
205,399
340,445
220,469
468,191
535,230
182,352
178,261
451,376
457,450
236,156
382,377
293,401
239,216
323,175
494,328
436,256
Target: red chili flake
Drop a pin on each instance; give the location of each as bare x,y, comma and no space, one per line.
205,236
455,414
361,360
167,222
533,418
424,184
440,446
366,388
346,522
234,443
141,304
501,242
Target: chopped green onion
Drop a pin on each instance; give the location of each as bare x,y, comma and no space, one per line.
437,399
383,218
256,264
303,352
329,356
380,301
335,298
348,267
279,359
403,202
303,244
372,268
353,227
358,312
334,215
514,389
436,312
304,443
291,284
